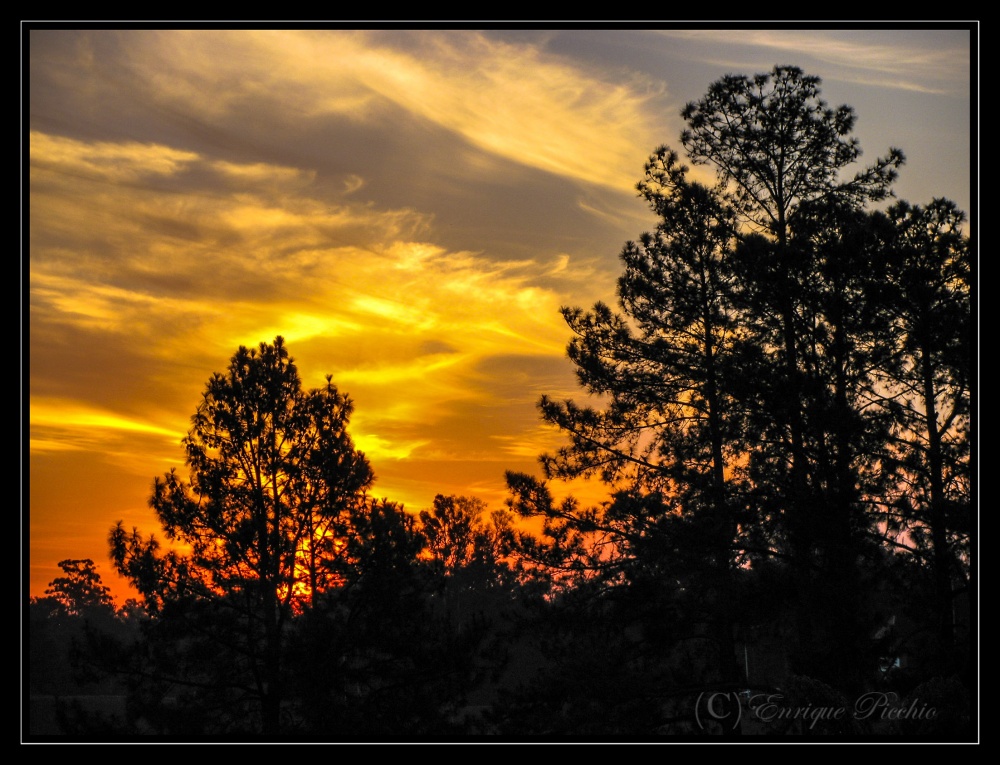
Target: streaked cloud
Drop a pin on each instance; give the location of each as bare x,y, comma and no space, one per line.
122,161
64,415
510,99
869,57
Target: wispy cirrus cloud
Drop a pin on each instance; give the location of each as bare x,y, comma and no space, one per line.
866,57
513,100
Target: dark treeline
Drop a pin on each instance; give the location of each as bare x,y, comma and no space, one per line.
780,409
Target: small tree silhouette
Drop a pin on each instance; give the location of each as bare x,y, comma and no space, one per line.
80,590
274,474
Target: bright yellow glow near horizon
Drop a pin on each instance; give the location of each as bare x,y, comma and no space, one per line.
64,415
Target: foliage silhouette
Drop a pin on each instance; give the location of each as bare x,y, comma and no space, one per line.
80,590
928,306
761,403
274,475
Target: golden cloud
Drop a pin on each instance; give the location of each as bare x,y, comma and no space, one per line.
123,161
512,100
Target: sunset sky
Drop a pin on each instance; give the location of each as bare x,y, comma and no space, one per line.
408,208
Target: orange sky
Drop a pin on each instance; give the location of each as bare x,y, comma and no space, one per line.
408,208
